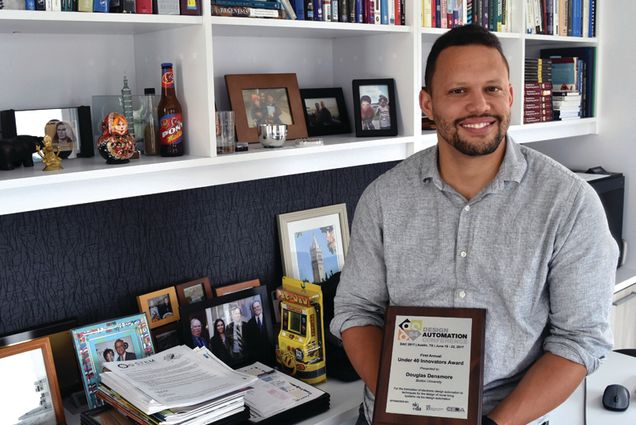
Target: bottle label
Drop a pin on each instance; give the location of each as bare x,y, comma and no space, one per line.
167,78
171,130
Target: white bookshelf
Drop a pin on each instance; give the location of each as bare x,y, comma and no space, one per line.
61,59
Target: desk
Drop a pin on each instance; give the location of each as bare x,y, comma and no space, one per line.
616,369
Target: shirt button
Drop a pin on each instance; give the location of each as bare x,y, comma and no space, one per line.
461,294
463,254
467,208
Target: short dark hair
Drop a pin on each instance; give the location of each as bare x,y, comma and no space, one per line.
461,36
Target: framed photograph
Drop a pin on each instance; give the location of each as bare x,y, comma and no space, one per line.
167,336
126,338
194,291
237,327
265,99
161,307
374,107
30,383
235,287
314,242
325,111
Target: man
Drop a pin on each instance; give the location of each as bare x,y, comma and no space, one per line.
236,333
479,221
257,338
122,354
383,113
195,330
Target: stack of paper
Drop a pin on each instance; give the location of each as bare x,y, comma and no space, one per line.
176,386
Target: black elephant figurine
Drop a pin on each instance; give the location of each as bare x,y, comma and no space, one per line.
18,151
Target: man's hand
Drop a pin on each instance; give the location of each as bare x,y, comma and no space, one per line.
363,345
547,384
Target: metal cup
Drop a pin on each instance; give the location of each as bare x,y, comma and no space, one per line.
272,135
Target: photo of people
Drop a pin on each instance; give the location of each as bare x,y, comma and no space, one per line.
63,136
322,112
114,350
374,107
160,308
194,293
267,106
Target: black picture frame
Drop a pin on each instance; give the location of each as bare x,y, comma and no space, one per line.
83,128
254,346
334,121
374,89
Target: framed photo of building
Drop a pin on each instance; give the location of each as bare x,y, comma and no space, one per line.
325,111
29,382
374,107
194,291
314,242
126,338
161,307
265,99
236,327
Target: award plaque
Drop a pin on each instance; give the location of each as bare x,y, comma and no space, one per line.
431,368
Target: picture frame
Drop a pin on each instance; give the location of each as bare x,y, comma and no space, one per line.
166,336
370,113
29,380
194,291
265,98
160,307
235,287
325,111
328,227
124,337
216,328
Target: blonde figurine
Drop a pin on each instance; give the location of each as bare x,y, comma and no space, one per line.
50,155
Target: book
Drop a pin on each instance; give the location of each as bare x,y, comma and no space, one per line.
249,12
287,7
258,4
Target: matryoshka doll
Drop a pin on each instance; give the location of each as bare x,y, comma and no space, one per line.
115,144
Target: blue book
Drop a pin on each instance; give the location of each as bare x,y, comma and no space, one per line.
318,10
299,8
100,6
384,12
29,5
577,16
359,14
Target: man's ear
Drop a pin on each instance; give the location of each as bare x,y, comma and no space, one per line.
511,95
426,103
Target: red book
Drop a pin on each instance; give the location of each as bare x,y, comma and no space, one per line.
144,6
398,12
371,11
433,14
544,86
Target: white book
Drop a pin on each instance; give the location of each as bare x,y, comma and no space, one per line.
377,12
427,16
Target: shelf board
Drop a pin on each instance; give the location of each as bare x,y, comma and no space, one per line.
557,39
41,22
433,33
625,277
86,180
528,133
262,27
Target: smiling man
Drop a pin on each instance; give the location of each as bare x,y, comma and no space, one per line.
480,222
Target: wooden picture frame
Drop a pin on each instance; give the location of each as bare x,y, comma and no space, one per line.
328,226
194,291
21,367
235,287
161,307
126,337
215,317
325,111
370,112
265,98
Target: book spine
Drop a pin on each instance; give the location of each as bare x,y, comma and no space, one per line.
343,7
592,22
248,12
309,10
249,3
476,12
398,12
585,29
426,13
443,18
384,12
326,10
318,10
437,13
299,8
189,7
484,13
100,6
359,11
570,16
144,6
377,12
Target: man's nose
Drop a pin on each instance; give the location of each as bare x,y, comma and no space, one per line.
478,103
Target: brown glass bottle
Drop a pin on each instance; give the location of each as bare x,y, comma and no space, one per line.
170,119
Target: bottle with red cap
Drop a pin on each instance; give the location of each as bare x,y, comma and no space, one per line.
170,118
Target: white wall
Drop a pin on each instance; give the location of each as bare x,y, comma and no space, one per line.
614,148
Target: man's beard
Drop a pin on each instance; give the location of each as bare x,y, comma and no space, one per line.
451,135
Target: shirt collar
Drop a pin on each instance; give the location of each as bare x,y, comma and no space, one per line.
512,168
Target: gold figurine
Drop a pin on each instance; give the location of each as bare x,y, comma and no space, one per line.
50,155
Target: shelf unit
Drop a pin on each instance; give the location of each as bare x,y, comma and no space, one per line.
72,56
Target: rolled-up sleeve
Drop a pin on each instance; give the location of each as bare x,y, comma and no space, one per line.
362,292
581,283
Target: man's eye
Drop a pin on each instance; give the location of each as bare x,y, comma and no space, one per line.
456,91
494,89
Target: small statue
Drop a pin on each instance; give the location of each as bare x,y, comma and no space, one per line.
115,144
50,155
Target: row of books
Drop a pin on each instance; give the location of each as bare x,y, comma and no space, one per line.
160,7
492,14
382,12
559,85
575,18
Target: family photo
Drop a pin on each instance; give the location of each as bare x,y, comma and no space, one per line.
267,106
374,107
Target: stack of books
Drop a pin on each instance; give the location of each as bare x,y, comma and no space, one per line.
493,15
537,93
176,386
566,105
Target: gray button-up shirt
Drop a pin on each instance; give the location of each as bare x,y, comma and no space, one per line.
533,248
